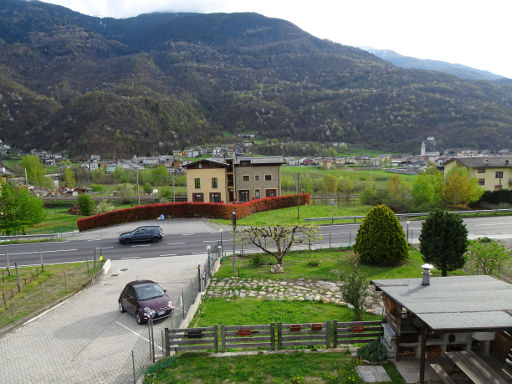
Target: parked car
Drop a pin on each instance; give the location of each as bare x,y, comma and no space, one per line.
141,294
141,234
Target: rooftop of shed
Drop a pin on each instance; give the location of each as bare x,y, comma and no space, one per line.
462,303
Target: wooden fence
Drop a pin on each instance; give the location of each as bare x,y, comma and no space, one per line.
356,332
191,339
264,336
290,335
248,336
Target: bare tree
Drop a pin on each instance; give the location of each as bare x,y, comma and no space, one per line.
277,240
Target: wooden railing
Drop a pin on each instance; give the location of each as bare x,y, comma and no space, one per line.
264,336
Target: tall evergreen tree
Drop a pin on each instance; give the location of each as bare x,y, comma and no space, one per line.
443,240
381,239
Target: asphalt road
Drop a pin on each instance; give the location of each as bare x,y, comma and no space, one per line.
191,237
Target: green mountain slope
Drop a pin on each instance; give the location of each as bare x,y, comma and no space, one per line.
161,81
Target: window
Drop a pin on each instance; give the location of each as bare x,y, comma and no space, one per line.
197,183
480,170
481,181
497,187
256,178
245,178
499,175
257,193
215,197
214,182
268,177
243,196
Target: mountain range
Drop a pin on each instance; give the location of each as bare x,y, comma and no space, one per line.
163,81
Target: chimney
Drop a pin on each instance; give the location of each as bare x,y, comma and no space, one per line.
426,273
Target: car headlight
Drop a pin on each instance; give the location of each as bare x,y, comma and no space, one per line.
169,304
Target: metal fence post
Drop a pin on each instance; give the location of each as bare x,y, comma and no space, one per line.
199,276
183,304
166,342
133,367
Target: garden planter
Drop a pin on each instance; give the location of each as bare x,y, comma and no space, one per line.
357,329
316,327
295,327
244,332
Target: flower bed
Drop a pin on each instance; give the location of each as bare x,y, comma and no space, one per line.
208,210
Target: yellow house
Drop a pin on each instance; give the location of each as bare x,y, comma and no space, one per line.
234,179
493,172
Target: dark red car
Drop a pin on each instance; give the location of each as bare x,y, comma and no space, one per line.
141,294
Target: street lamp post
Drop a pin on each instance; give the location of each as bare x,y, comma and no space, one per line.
150,314
233,219
208,248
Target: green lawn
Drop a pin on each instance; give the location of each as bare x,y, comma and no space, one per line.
301,264
258,311
288,216
56,220
295,368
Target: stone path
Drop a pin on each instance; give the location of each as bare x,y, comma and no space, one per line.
286,290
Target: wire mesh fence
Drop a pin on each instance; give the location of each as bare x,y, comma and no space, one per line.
27,290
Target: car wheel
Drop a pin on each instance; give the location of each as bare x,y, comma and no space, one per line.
121,308
138,318
155,239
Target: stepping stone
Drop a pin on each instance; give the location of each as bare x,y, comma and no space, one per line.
373,373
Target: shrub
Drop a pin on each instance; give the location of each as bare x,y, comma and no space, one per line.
257,259
312,263
85,204
381,239
102,207
374,351
97,187
355,292
147,188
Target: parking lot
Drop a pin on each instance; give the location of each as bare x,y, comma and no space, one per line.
86,339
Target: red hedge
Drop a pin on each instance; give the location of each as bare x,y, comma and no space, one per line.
210,210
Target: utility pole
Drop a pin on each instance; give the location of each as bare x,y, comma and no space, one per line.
138,192
298,197
233,218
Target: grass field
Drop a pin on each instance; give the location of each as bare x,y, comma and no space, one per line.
301,264
39,288
57,220
295,368
257,311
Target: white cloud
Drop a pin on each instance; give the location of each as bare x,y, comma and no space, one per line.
469,32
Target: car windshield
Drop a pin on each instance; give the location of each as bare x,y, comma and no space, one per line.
148,291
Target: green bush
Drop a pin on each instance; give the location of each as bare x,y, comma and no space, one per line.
97,187
257,259
85,204
313,263
374,351
381,239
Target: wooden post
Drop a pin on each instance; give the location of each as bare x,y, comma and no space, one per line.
216,337
41,258
279,336
17,277
7,257
272,336
423,352
335,334
166,342
223,337
327,334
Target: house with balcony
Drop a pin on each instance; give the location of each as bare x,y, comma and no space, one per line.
233,179
492,172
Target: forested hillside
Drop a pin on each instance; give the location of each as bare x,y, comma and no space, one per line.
163,81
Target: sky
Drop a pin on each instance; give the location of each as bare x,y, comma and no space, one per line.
469,32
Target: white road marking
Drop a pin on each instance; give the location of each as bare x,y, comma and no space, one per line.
102,248
95,240
168,254
37,252
187,234
129,258
141,245
487,225
209,241
138,335
179,243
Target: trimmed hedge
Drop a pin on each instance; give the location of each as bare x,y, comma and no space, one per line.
209,210
497,196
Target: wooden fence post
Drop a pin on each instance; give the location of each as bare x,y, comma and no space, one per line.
223,337
327,334
335,333
272,336
166,342
279,336
17,277
216,338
